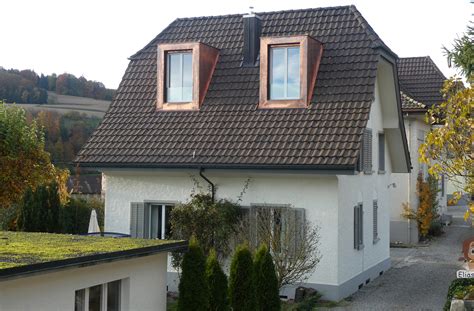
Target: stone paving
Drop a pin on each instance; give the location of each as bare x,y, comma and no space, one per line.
419,277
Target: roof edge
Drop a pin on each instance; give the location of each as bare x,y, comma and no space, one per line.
299,167
50,266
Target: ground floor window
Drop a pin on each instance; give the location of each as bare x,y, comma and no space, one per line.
102,297
280,227
150,220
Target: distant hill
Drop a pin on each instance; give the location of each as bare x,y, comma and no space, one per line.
27,87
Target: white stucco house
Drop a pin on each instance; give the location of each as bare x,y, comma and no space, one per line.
59,272
304,104
420,83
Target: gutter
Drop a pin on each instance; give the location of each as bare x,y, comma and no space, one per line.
213,188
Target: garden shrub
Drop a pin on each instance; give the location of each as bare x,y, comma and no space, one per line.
217,282
241,280
456,286
193,288
40,210
211,222
266,281
75,216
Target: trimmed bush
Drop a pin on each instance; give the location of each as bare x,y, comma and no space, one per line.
456,286
217,282
241,281
75,216
266,282
193,288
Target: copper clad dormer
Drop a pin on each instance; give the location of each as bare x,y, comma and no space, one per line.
201,63
307,63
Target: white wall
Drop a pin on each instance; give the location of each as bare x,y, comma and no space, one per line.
316,193
145,282
365,188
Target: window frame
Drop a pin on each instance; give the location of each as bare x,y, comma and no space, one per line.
103,296
168,74
161,216
270,69
310,57
204,61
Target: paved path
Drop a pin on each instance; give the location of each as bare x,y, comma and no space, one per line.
419,277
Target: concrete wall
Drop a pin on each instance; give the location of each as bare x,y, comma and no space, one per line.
143,286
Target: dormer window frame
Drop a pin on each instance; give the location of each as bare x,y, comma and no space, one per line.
204,61
310,51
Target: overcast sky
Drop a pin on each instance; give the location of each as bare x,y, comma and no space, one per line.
94,38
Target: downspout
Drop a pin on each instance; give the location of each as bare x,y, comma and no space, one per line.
209,182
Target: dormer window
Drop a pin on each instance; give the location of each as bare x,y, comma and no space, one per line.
179,77
285,72
288,69
184,74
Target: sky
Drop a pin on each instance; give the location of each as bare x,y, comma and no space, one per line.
94,38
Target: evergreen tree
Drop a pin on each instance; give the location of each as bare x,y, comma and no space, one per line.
217,281
241,281
54,205
193,288
26,217
266,281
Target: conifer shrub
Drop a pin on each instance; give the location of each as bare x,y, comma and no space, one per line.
217,282
241,280
193,288
266,281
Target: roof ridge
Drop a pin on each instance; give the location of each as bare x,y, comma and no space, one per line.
378,42
135,55
265,12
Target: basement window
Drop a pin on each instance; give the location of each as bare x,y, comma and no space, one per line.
288,70
184,74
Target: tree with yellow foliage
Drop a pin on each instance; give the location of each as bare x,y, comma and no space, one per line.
23,161
448,148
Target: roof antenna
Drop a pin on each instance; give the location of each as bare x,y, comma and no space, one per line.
251,11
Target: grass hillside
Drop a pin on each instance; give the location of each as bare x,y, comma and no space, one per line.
65,103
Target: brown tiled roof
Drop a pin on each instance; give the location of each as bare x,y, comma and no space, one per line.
229,130
421,80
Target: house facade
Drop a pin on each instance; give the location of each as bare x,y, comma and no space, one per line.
301,108
420,83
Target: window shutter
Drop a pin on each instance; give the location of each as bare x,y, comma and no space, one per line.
375,221
361,226
300,229
139,220
356,227
367,151
381,152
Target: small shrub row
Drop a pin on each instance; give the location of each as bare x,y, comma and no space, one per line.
42,211
253,284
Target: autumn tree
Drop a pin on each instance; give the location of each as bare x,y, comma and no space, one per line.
23,161
448,146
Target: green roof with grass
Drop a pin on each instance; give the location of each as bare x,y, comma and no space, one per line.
21,249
